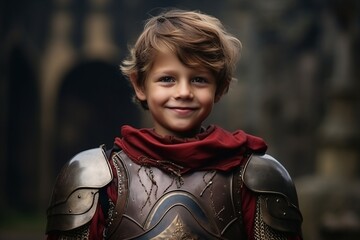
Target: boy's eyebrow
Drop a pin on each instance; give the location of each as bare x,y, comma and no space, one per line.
173,71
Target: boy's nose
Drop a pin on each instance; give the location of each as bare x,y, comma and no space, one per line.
184,90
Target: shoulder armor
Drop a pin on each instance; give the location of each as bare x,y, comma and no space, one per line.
76,191
278,198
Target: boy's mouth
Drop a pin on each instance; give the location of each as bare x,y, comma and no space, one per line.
183,110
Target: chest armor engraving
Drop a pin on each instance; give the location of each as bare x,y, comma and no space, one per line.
155,205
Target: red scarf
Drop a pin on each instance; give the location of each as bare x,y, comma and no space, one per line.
213,149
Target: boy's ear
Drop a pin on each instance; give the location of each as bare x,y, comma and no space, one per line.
139,90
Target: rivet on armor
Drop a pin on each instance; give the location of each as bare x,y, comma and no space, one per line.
70,211
284,213
277,200
79,196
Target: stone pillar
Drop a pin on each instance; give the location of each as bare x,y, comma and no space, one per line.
59,55
98,39
330,199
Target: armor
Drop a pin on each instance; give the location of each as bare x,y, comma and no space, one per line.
199,205
278,198
76,191
152,204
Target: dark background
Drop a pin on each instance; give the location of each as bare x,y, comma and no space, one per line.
61,92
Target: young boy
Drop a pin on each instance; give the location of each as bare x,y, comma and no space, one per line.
178,180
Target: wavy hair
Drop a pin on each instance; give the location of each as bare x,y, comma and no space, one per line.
197,39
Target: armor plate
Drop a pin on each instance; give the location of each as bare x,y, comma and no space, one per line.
76,191
278,198
198,205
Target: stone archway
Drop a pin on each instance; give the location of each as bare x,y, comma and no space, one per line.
94,101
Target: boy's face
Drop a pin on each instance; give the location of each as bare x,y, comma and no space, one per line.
179,98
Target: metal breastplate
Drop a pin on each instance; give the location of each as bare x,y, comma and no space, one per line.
156,205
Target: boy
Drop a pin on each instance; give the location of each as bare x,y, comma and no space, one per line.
178,180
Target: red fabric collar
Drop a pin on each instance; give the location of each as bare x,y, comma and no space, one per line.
213,149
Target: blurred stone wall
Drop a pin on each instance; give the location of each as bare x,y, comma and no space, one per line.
61,92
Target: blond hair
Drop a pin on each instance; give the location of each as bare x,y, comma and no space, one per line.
197,39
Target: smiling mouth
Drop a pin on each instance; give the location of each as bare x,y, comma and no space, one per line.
183,110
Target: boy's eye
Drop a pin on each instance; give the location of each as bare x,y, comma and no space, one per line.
166,79
199,80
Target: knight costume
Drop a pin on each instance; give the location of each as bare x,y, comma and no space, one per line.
163,200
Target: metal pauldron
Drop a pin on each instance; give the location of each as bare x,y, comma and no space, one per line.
76,191
278,198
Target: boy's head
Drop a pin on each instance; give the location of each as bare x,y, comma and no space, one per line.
197,39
